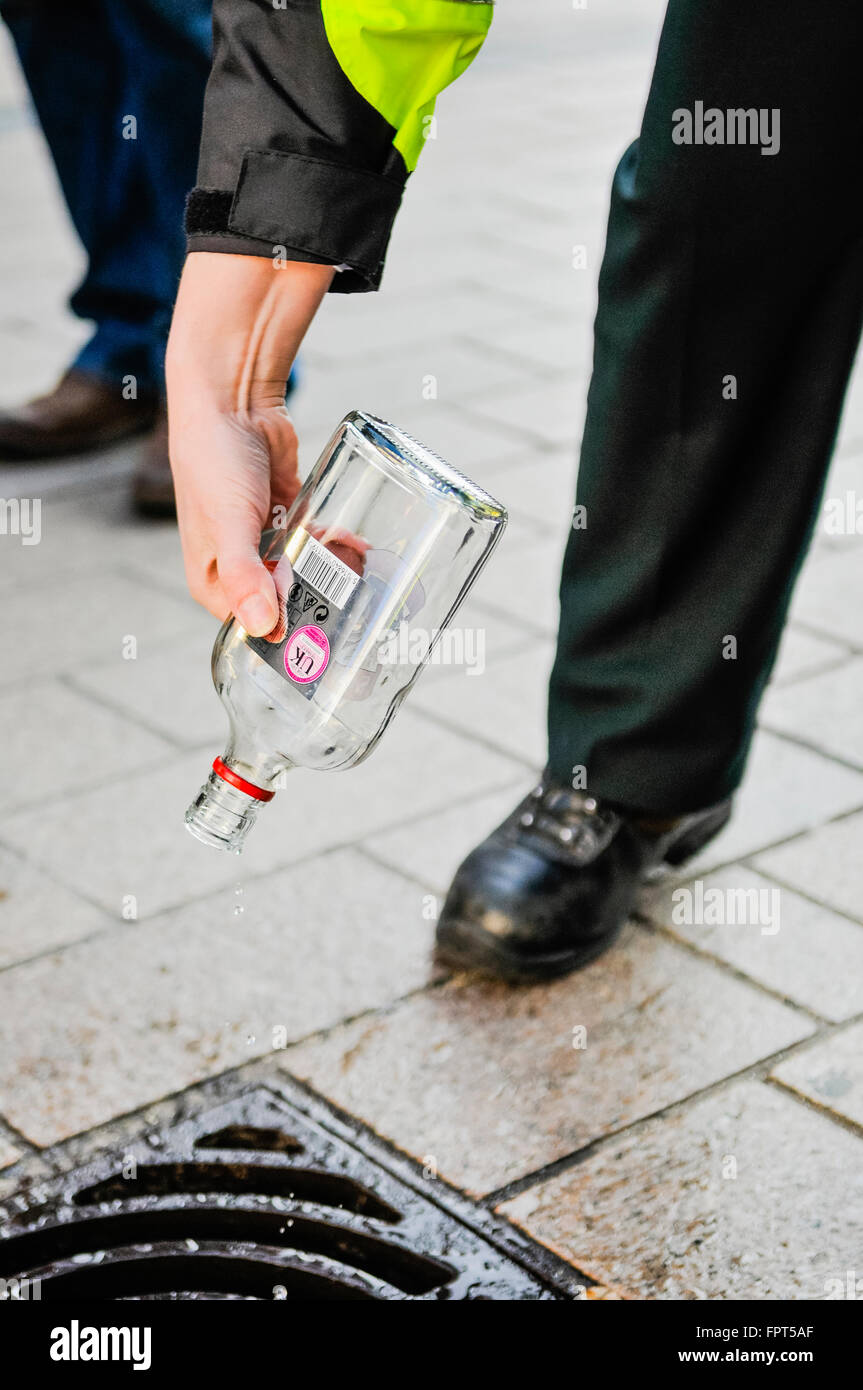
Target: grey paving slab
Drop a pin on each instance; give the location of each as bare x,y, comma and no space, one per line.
169,689
202,990
127,839
707,1203
540,486
432,848
477,637
825,597
525,587
830,1073
445,371
804,654
52,482
88,621
503,705
827,865
9,1154
554,343
801,950
38,914
488,1080
344,333
64,741
786,790
551,413
824,710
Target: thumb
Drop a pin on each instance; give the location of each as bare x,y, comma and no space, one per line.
248,585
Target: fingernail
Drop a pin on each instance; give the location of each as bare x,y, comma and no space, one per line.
256,614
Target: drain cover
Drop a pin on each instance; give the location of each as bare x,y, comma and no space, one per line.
259,1199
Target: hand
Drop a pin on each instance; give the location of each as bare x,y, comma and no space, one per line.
237,325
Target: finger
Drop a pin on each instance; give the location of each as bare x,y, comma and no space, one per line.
282,447
247,585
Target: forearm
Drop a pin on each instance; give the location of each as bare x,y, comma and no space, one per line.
238,323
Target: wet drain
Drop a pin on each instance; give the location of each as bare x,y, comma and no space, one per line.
258,1199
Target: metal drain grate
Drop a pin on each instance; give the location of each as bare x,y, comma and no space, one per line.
260,1199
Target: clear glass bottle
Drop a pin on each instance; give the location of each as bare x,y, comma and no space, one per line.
375,556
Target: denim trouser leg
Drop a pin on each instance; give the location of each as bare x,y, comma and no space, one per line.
100,72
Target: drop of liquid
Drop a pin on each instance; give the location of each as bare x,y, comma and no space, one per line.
238,910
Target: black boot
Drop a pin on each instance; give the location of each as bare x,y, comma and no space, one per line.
552,886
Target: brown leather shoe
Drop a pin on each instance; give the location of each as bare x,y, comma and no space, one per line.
82,412
152,484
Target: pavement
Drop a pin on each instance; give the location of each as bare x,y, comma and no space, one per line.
682,1119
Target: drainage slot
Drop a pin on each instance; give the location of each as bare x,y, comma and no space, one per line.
299,1184
346,1220
248,1137
141,1275
408,1270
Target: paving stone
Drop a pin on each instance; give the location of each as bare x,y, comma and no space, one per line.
38,914
503,705
823,710
803,654
460,372
787,789
488,1080
476,634
8,1152
553,342
552,413
90,618
826,865
744,1195
346,330
201,990
823,599
525,588
431,849
804,951
168,688
128,839
830,1074
540,487
64,741
92,528
70,532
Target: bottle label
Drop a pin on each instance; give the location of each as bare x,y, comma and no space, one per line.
306,654
311,610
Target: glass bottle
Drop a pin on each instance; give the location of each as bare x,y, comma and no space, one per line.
374,557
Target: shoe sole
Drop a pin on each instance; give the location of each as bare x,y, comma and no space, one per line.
464,949
467,948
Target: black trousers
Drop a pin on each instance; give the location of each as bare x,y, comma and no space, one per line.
729,313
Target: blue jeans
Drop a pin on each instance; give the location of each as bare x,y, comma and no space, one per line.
100,71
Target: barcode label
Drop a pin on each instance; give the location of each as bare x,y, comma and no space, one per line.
332,578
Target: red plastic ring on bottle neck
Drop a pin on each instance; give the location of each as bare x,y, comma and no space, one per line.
228,775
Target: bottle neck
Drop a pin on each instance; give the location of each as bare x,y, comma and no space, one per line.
225,808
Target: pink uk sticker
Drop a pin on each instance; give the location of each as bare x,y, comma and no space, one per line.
307,653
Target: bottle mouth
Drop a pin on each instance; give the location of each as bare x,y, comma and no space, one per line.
225,808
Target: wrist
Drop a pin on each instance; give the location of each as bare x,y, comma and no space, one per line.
238,323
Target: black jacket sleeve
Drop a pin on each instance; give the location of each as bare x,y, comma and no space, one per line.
314,115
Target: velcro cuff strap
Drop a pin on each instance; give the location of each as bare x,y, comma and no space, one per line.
340,214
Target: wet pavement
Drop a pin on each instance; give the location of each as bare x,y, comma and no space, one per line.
684,1118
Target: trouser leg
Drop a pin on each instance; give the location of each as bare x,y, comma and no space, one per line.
729,313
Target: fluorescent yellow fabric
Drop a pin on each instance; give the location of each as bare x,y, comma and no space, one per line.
400,55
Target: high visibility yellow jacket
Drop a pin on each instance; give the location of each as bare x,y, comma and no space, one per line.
315,115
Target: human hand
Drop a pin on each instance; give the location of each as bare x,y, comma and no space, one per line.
237,325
